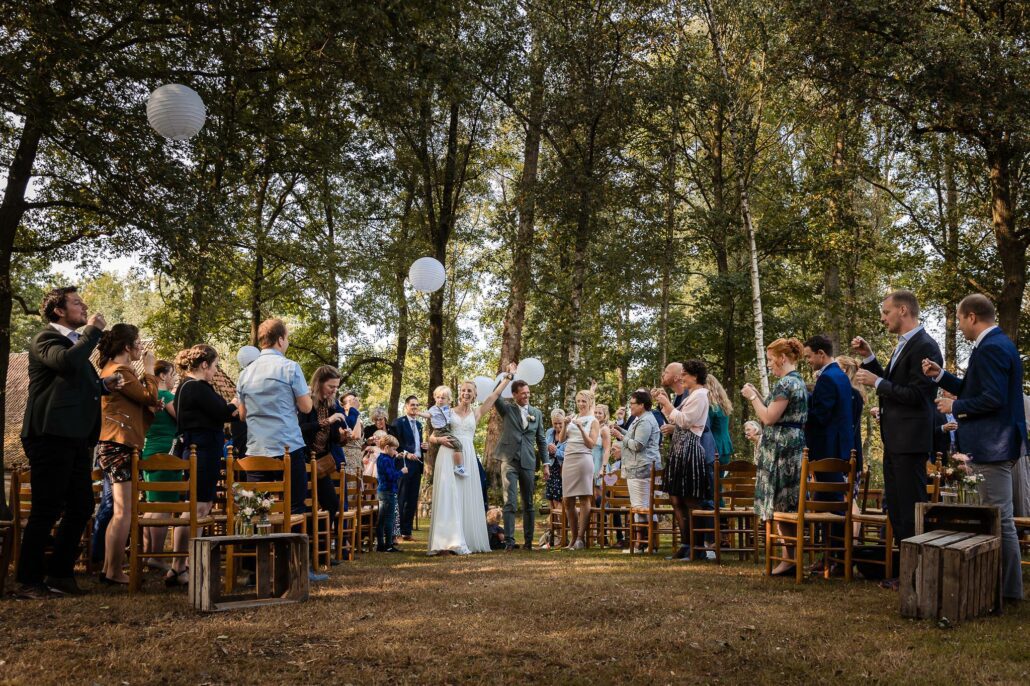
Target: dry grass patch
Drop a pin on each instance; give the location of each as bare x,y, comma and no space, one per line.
583,618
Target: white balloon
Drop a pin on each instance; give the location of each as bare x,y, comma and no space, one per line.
506,393
530,370
176,111
246,355
427,274
484,387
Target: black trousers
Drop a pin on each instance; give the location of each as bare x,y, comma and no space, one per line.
407,495
328,499
904,485
61,489
298,480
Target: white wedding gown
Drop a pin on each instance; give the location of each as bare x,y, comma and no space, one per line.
458,519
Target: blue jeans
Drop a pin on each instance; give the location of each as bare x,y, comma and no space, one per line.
384,523
100,521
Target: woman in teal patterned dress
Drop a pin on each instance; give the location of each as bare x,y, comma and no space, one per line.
783,414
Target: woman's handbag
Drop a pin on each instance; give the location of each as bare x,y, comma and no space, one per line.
325,465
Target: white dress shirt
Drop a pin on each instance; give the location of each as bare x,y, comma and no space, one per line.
902,340
72,334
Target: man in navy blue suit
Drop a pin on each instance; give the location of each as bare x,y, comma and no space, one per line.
829,432
409,432
991,425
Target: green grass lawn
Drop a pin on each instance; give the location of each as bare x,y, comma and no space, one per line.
592,617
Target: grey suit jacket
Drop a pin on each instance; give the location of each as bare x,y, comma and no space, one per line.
521,446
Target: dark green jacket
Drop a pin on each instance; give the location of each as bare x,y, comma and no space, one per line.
64,388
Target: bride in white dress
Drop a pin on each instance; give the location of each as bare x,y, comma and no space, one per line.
457,524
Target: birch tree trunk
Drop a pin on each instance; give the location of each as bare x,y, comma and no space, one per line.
742,186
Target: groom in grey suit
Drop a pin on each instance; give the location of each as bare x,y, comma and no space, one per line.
522,442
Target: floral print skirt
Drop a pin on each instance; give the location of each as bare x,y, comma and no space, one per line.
778,483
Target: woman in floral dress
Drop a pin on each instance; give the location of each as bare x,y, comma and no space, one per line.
783,414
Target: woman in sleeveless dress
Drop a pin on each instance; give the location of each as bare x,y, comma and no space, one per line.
580,433
457,524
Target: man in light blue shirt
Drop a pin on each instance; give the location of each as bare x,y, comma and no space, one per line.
273,389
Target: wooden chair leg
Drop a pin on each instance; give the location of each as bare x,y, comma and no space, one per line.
768,547
799,548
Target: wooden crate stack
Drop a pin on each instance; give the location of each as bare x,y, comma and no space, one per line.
952,575
951,568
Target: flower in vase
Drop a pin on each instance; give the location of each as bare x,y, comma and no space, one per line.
248,511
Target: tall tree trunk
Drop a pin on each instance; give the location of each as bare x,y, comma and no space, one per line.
951,227
441,238
745,205
721,227
333,284
838,219
257,279
401,355
522,254
11,212
668,255
579,277
1011,247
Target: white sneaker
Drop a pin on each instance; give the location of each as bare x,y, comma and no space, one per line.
460,471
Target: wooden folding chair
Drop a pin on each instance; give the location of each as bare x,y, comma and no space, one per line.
1023,533
557,526
20,502
281,518
648,532
187,504
812,512
614,501
734,505
318,521
369,512
349,493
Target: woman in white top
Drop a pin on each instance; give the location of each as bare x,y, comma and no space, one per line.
580,433
685,479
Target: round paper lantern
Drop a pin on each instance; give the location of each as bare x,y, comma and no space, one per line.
506,393
246,355
484,387
427,274
176,111
530,370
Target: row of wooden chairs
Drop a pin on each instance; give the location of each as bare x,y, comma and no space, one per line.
357,519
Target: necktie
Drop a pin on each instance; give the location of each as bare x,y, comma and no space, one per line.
74,336
894,355
415,437
525,417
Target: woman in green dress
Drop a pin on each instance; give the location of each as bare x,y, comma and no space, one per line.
783,414
159,441
719,411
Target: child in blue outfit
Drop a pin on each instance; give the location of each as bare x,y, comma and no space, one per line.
439,416
389,478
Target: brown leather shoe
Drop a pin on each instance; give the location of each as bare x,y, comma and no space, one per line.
34,592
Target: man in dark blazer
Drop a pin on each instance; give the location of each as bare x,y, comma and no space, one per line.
906,398
409,434
991,424
829,432
61,426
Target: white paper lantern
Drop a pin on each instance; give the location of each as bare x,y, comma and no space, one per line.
506,393
427,274
246,355
484,387
530,370
176,111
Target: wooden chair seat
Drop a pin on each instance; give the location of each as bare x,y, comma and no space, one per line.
810,517
277,519
732,523
174,521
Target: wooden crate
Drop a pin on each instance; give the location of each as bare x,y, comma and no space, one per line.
953,575
7,534
975,519
281,571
